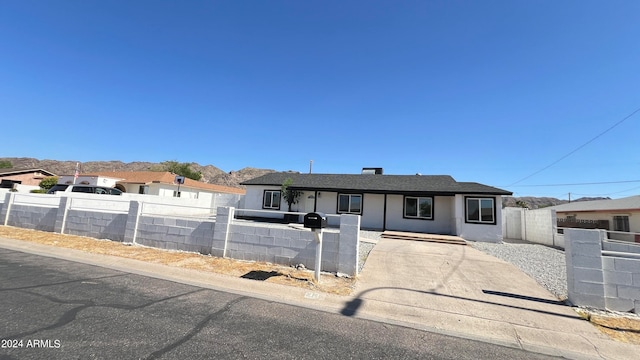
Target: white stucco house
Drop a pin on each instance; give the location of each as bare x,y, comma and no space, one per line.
160,183
435,204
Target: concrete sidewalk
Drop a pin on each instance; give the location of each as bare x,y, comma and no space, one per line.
449,289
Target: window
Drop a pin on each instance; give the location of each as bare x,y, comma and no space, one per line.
480,210
144,189
418,207
349,203
271,199
621,223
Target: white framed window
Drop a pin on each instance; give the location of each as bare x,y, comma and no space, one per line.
480,210
621,223
271,199
418,207
349,203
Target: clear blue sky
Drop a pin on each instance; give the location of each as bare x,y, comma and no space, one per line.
485,91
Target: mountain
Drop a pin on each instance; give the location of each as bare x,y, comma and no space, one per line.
210,173
542,202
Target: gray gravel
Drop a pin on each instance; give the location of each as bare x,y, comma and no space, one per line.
367,246
544,264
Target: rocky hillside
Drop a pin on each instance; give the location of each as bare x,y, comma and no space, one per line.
210,173
541,202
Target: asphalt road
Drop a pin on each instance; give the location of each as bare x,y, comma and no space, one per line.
57,309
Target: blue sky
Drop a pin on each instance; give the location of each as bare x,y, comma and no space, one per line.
485,91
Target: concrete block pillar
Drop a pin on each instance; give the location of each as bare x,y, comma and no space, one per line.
349,244
585,280
5,210
61,215
133,219
221,231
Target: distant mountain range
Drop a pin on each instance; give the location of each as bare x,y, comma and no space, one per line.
542,202
210,173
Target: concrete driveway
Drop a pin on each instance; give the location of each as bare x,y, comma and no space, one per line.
460,290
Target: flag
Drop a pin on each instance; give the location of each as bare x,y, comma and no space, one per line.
75,176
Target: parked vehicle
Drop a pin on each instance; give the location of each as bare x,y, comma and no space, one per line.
90,189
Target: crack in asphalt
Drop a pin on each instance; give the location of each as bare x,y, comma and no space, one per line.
60,283
71,314
196,329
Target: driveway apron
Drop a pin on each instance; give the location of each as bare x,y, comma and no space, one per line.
458,289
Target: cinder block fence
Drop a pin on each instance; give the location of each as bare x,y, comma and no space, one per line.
175,227
602,273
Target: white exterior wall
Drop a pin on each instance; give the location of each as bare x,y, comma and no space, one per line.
253,200
478,232
90,180
443,216
372,211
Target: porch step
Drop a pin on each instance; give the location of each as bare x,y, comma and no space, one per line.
446,239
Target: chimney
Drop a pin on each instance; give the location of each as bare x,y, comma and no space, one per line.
372,170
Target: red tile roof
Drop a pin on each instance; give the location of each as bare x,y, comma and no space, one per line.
163,177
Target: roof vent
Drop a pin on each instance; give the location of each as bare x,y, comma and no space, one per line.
372,170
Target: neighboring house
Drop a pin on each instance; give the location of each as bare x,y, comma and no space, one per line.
31,177
435,204
161,183
619,216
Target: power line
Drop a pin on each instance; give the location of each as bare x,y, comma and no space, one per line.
576,149
611,193
575,184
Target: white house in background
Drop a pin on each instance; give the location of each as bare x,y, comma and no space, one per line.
157,183
617,215
435,204
88,180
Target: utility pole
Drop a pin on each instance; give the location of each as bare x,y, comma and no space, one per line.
569,198
310,166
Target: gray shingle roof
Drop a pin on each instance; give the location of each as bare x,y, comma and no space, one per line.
398,184
628,203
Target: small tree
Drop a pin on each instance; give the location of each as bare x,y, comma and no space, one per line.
522,204
290,196
48,182
177,168
5,164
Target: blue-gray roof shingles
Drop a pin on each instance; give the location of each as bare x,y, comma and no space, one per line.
370,183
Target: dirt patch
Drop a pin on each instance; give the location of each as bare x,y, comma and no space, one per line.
284,275
620,327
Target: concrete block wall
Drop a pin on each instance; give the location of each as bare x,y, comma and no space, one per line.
99,225
289,246
622,283
219,237
32,217
537,226
175,234
282,246
585,278
540,226
512,223
610,281
621,246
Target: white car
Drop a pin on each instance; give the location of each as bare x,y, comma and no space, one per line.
90,189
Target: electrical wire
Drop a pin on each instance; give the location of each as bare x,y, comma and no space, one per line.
576,149
578,184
